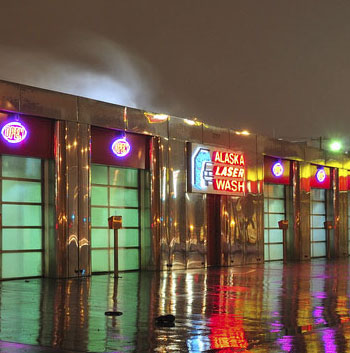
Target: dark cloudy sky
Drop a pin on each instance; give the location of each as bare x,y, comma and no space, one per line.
271,66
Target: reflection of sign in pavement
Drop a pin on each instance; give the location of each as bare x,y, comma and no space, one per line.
217,171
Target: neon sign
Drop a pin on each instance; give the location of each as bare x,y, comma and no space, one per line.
14,132
217,171
277,169
321,175
121,147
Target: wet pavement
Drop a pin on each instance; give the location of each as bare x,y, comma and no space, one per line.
301,307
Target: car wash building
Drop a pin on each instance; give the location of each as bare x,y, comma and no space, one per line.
189,195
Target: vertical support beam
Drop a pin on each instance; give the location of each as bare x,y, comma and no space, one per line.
155,203
333,215
58,250
165,260
84,187
296,239
72,192
302,201
71,249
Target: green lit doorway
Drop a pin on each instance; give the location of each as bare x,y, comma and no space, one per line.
22,225
115,191
274,211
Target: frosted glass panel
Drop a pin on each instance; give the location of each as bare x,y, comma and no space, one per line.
276,252
266,253
99,260
21,215
99,196
21,191
276,236
99,238
99,217
317,221
123,177
21,264
266,236
21,167
128,259
276,205
99,174
318,194
266,220
277,191
318,234
318,249
128,237
130,217
124,197
318,208
274,219
21,239
266,205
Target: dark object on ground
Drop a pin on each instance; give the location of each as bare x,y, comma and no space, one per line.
113,313
165,320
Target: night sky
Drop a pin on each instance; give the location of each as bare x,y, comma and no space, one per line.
279,68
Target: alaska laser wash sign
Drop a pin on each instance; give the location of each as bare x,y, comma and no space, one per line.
216,171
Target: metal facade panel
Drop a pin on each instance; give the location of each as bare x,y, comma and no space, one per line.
315,156
294,228
101,114
72,168
243,225
9,96
224,231
333,214
58,250
147,123
84,163
248,145
334,159
177,207
48,104
155,202
216,136
343,223
196,230
304,206
280,148
185,130
165,260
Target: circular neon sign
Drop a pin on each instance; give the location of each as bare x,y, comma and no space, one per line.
14,132
277,169
121,147
321,175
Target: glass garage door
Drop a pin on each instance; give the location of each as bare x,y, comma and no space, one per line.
21,211
318,217
274,211
115,192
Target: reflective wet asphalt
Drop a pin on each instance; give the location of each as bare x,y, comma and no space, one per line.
298,307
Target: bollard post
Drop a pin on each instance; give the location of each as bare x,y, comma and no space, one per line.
115,223
283,224
328,225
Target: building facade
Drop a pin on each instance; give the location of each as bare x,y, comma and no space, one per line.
190,195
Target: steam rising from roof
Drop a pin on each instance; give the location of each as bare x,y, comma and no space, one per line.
97,69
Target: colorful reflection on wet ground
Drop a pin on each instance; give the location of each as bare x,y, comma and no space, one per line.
301,307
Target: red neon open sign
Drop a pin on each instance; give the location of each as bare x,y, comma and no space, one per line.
14,132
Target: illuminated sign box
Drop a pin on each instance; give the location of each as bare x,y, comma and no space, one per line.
216,171
277,171
320,177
